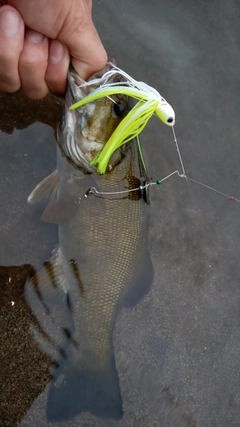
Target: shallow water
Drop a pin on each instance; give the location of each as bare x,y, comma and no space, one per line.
177,351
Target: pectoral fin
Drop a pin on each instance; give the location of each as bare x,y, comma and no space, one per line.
60,210
46,190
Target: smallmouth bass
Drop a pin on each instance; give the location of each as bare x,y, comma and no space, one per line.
101,262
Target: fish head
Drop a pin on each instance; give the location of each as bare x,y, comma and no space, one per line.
83,132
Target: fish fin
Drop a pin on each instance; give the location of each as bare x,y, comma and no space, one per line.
81,384
46,190
60,210
142,283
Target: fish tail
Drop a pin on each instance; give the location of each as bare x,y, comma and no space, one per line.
85,386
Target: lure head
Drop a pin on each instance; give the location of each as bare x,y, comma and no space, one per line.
165,112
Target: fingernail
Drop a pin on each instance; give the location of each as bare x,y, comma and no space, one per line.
9,22
56,52
34,36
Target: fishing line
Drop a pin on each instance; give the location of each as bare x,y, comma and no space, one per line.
193,180
178,151
232,198
96,193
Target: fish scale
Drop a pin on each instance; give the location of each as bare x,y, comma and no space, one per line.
110,244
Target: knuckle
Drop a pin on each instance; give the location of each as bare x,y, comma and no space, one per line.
33,55
30,61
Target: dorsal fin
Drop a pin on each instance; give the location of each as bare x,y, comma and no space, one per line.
60,210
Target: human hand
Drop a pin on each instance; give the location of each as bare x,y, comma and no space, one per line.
37,40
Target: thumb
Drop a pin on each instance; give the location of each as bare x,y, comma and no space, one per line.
80,36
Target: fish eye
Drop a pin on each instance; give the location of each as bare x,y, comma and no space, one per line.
117,110
170,120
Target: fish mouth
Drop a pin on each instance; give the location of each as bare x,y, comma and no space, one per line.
71,121
83,132
73,153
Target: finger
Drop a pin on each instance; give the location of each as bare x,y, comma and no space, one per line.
89,56
11,44
58,64
33,64
89,4
69,22
79,34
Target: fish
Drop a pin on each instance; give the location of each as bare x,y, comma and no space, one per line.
101,262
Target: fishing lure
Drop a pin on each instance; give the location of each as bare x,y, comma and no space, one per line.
149,102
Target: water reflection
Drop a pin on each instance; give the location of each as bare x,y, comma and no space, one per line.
18,111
